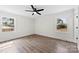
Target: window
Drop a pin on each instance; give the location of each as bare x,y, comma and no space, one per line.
7,24
62,24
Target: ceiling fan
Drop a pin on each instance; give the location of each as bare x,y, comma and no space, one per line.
35,10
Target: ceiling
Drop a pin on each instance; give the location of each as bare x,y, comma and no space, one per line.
48,9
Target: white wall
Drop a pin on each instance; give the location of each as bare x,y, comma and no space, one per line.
42,25
23,26
46,25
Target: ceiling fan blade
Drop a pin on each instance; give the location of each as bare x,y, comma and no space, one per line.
32,7
29,10
40,10
38,13
33,14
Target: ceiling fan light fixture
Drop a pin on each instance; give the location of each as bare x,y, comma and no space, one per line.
35,10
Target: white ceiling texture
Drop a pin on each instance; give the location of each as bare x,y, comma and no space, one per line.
48,9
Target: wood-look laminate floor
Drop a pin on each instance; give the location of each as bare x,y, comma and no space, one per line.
37,44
